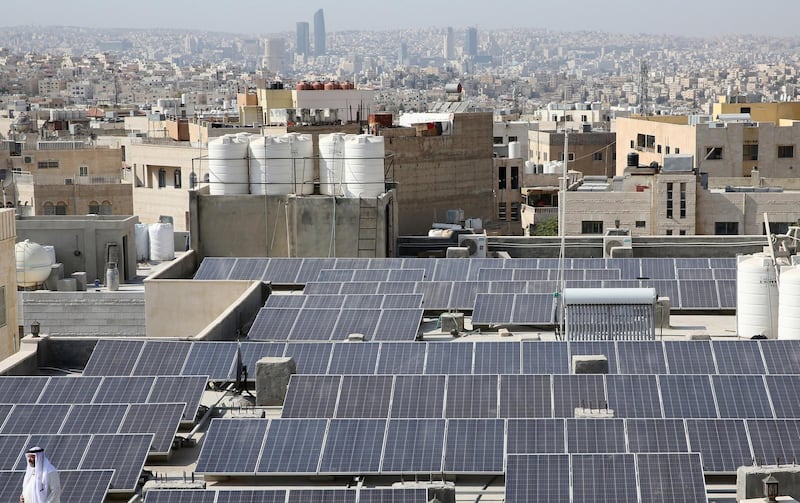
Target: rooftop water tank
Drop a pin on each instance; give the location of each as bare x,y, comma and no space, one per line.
789,304
331,163
302,151
363,166
227,165
633,160
34,263
277,177
756,296
514,150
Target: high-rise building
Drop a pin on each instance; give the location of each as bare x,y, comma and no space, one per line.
319,33
448,51
274,55
402,54
303,41
471,42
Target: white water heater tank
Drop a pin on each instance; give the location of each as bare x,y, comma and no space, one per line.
789,304
34,263
756,296
514,150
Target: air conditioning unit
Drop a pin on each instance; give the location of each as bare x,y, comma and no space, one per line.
476,243
27,159
69,181
717,125
616,238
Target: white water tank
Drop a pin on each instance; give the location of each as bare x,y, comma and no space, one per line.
530,168
302,149
514,150
363,166
227,165
331,163
141,235
552,168
162,242
756,296
33,263
789,304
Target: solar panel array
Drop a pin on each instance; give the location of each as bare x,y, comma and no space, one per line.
363,495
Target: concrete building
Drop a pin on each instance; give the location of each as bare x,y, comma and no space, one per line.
302,46
471,42
315,106
320,47
505,132
573,116
508,196
449,44
8,284
275,56
592,153
774,112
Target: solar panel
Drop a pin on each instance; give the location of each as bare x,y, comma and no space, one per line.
323,302
311,396
775,442
785,393
283,270
310,357
530,274
741,396
125,454
232,446
525,396
94,419
665,288
471,396
544,358
474,446
248,269
401,358
722,444
607,478
364,397
595,436
10,484
335,275
725,274
641,357
64,451
117,389
398,325
27,419
723,262
354,358
353,446
22,389
414,445
214,268
85,486
287,301
605,348
70,390
314,325
656,435
11,449
501,287
326,495
535,436
397,288
417,396
113,358
671,478
698,294
537,478
181,496
323,288
254,351
352,263
727,293
216,359
449,358
360,288
273,324
689,357
478,264
630,268
251,496
691,263
451,270
406,275
601,274
497,358
687,396
633,395
465,292
781,357
521,263
179,389
435,294
356,321
568,274
658,268
402,301
695,274
371,275
493,308
161,358
160,419
392,495
533,309
495,275
311,267
362,301
292,446
573,391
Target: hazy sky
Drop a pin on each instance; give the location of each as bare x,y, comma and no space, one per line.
682,17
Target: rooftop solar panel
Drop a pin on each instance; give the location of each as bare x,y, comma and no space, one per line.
725,274
542,287
85,486
507,287
314,325
495,275
310,357
775,442
671,478
781,357
465,292
692,263
742,396
417,396
474,446
493,308
426,264
362,301
214,268
595,436
356,321
254,351
160,419
216,359
665,288
525,396
784,391
607,478
656,435
537,478
633,395
94,419
248,269
354,358
521,263
35,419
535,436
695,274
22,389
179,389
273,324
371,275
311,267
477,264
435,294
567,274
533,309
311,396
414,445
181,496
287,301
364,397
64,451
232,446
113,358
658,268
698,294
405,287
545,358
722,262
689,357
335,275
602,274
573,391
11,449
353,446
630,268
606,348
382,495
125,454
402,301
471,396
283,271
530,274
326,495
449,358
359,288
292,446
323,302
162,358
401,358
352,263
451,270
641,357
70,390
323,288
398,325
687,396
727,293
497,358
118,389
405,275
722,444
252,496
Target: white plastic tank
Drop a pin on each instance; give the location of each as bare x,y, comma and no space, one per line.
789,304
273,172
756,296
302,148
552,168
227,165
33,263
258,164
514,150
142,238
363,166
331,164
162,242
530,168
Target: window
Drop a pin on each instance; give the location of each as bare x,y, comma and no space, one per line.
651,142
94,208
544,156
592,227
777,227
512,138
666,150
750,152
669,200
162,178
726,228
745,110
49,208
571,156
658,149
682,232
632,144
47,164
515,212
514,177
105,208
497,140
83,171
669,232
584,118
683,200
501,212
640,140
677,150
61,208
641,224
176,178
713,153
785,151
597,156
501,178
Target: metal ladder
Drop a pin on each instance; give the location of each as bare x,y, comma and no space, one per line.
367,227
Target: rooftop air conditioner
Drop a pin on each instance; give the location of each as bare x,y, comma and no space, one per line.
616,240
476,243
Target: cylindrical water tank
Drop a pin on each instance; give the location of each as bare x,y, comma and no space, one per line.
227,165
530,168
33,263
514,150
302,150
271,170
633,160
363,166
789,304
331,164
756,297
142,238
552,168
162,242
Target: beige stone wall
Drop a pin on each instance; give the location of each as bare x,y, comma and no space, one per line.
746,208
101,162
8,280
545,146
627,207
77,198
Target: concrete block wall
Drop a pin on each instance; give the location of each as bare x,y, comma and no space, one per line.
84,313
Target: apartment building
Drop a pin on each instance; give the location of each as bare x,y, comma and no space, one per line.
590,152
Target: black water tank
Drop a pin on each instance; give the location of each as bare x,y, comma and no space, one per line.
633,160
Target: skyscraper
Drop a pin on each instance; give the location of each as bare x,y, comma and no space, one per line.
319,33
274,58
471,42
303,42
448,51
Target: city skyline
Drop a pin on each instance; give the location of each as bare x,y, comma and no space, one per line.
683,17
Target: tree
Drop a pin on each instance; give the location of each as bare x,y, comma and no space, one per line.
546,228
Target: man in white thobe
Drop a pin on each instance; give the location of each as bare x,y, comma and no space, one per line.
41,483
